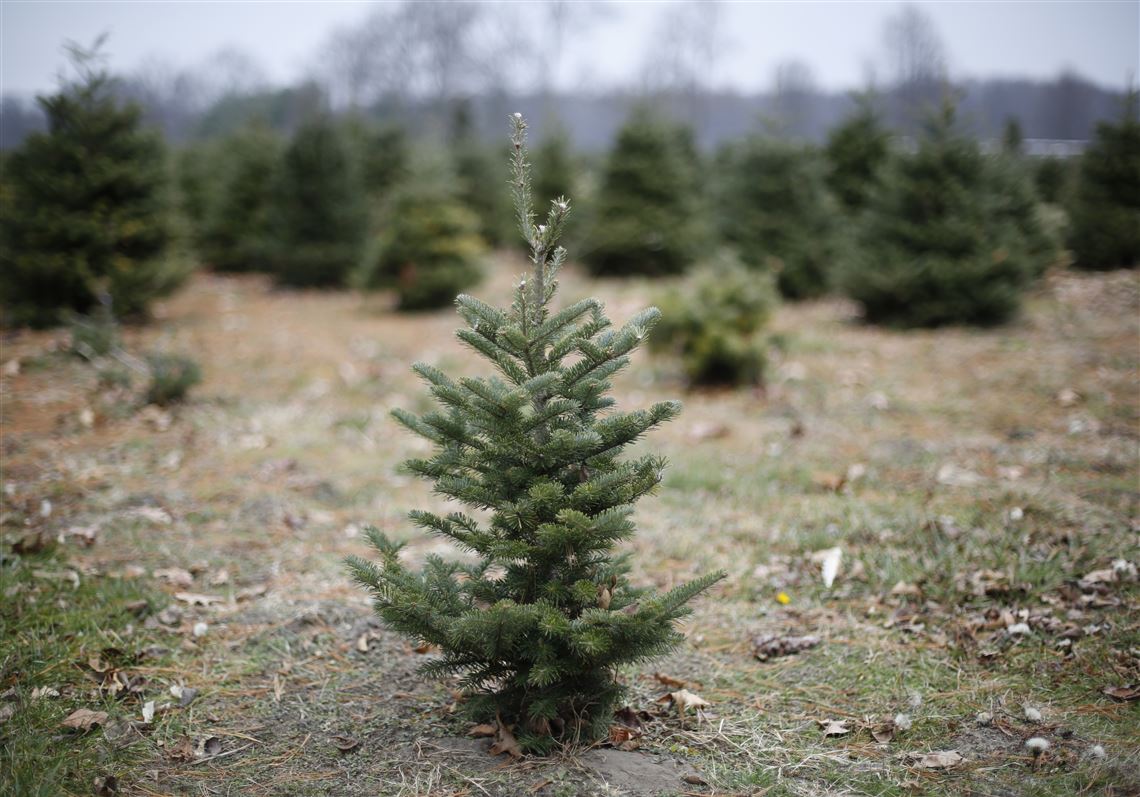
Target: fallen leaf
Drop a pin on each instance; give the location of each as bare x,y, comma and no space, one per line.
623,737
346,744
106,786
707,431
770,646
182,751
84,719
250,593
7,711
1122,692
84,535
362,642
695,780
505,741
829,560
154,514
628,717
148,711
177,576
668,680
683,699
220,578
834,727
940,759
32,542
907,590
829,482
12,367
884,732
41,692
483,730
195,599
426,647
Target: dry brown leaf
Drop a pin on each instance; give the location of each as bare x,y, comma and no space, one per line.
176,576
605,596
32,542
182,751
940,759
195,599
249,593
834,727
669,680
695,780
482,730
1122,692
346,744
84,719
683,699
426,647
707,431
505,741
623,737
7,711
770,646
905,589
106,786
84,535
362,642
829,482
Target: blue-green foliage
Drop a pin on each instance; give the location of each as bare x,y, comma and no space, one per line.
539,626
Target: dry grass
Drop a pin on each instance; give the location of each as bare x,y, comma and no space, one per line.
951,450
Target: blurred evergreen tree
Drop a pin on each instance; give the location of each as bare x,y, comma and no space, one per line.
1105,213
647,216
238,229
85,206
947,240
774,208
386,161
1012,139
430,248
857,150
319,213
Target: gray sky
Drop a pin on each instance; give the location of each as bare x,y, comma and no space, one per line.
1033,38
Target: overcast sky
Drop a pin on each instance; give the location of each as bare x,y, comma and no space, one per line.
1033,38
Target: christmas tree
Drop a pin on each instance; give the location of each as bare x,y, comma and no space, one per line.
857,150
430,248
319,216
1106,210
774,208
237,232
945,241
537,628
85,208
647,213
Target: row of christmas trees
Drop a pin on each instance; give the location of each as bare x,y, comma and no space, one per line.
930,233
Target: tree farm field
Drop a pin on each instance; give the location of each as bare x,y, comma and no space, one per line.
177,618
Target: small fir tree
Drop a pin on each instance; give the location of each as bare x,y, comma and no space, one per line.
238,229
1105,214
539,626
647,215
946,241
857,150
85,207
715,323
430,249
385,162
319,215
775,209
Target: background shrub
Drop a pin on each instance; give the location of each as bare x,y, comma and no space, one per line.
714,321
857,150
430,249
171,377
